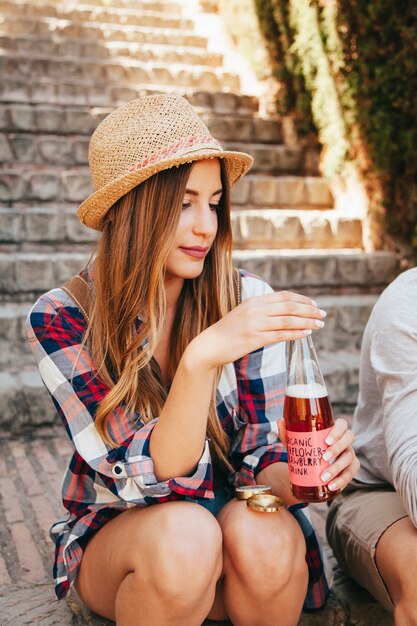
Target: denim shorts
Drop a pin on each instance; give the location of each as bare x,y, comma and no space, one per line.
222,495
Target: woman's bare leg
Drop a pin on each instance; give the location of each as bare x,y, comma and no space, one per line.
265,572
153,566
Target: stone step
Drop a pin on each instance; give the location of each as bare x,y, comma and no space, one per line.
151,5
90,31
115,51
24,275
315,272
94,72
282,192
34,182
44,90
278,228
227,115
58,227
72,11
237,111
345,321
72,151
25,404
344,325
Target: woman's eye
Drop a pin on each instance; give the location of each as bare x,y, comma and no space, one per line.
214,207
186,205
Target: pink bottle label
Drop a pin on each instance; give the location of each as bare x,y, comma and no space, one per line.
305,457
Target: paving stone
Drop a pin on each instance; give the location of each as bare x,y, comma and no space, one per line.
34,605
291,191
263,191
43,224
5,123
44,186
345,321
56,150
318,233
76,232
24,148
228,129
6,155
24,402
268,131
349,232
22,117
318,191
15,90
240,192
11,226
15,348
12,186
77,186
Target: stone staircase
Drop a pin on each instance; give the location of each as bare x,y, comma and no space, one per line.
63,66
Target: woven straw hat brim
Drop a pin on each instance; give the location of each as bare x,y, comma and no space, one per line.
95,207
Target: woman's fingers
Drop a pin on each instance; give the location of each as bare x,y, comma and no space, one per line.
283,304
277,315
341,472
339,438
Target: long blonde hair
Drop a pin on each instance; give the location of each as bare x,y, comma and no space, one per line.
129,268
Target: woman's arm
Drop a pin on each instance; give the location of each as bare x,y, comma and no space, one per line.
178,437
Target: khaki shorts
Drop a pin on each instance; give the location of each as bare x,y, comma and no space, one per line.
356,520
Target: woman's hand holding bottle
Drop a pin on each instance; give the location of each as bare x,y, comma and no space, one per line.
257,322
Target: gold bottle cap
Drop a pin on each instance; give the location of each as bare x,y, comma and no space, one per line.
246,491
265,503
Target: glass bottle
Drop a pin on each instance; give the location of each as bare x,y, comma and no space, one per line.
308,420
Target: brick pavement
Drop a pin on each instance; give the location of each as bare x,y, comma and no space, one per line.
31,468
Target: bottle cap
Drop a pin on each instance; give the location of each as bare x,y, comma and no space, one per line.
246,491
265,503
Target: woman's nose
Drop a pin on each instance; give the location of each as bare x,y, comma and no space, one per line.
205,221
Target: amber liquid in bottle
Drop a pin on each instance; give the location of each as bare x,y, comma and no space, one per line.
308,420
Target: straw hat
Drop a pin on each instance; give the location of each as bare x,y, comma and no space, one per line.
144,137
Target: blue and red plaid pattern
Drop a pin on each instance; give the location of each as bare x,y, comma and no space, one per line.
101,482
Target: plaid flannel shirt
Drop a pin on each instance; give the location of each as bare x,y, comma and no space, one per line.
100,482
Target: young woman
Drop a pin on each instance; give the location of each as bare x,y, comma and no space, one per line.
171,393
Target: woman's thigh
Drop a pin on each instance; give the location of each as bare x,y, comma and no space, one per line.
161,543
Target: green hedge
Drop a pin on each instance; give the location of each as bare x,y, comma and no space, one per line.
350,68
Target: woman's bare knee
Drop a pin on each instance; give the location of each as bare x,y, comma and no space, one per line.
266,551
186,551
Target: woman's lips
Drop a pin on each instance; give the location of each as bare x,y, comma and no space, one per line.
197,252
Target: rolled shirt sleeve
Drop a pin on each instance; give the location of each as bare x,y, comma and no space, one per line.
55,329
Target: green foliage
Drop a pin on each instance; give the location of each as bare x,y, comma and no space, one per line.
350,66
293,98
379,40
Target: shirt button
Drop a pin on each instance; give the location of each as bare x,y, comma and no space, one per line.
117,470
